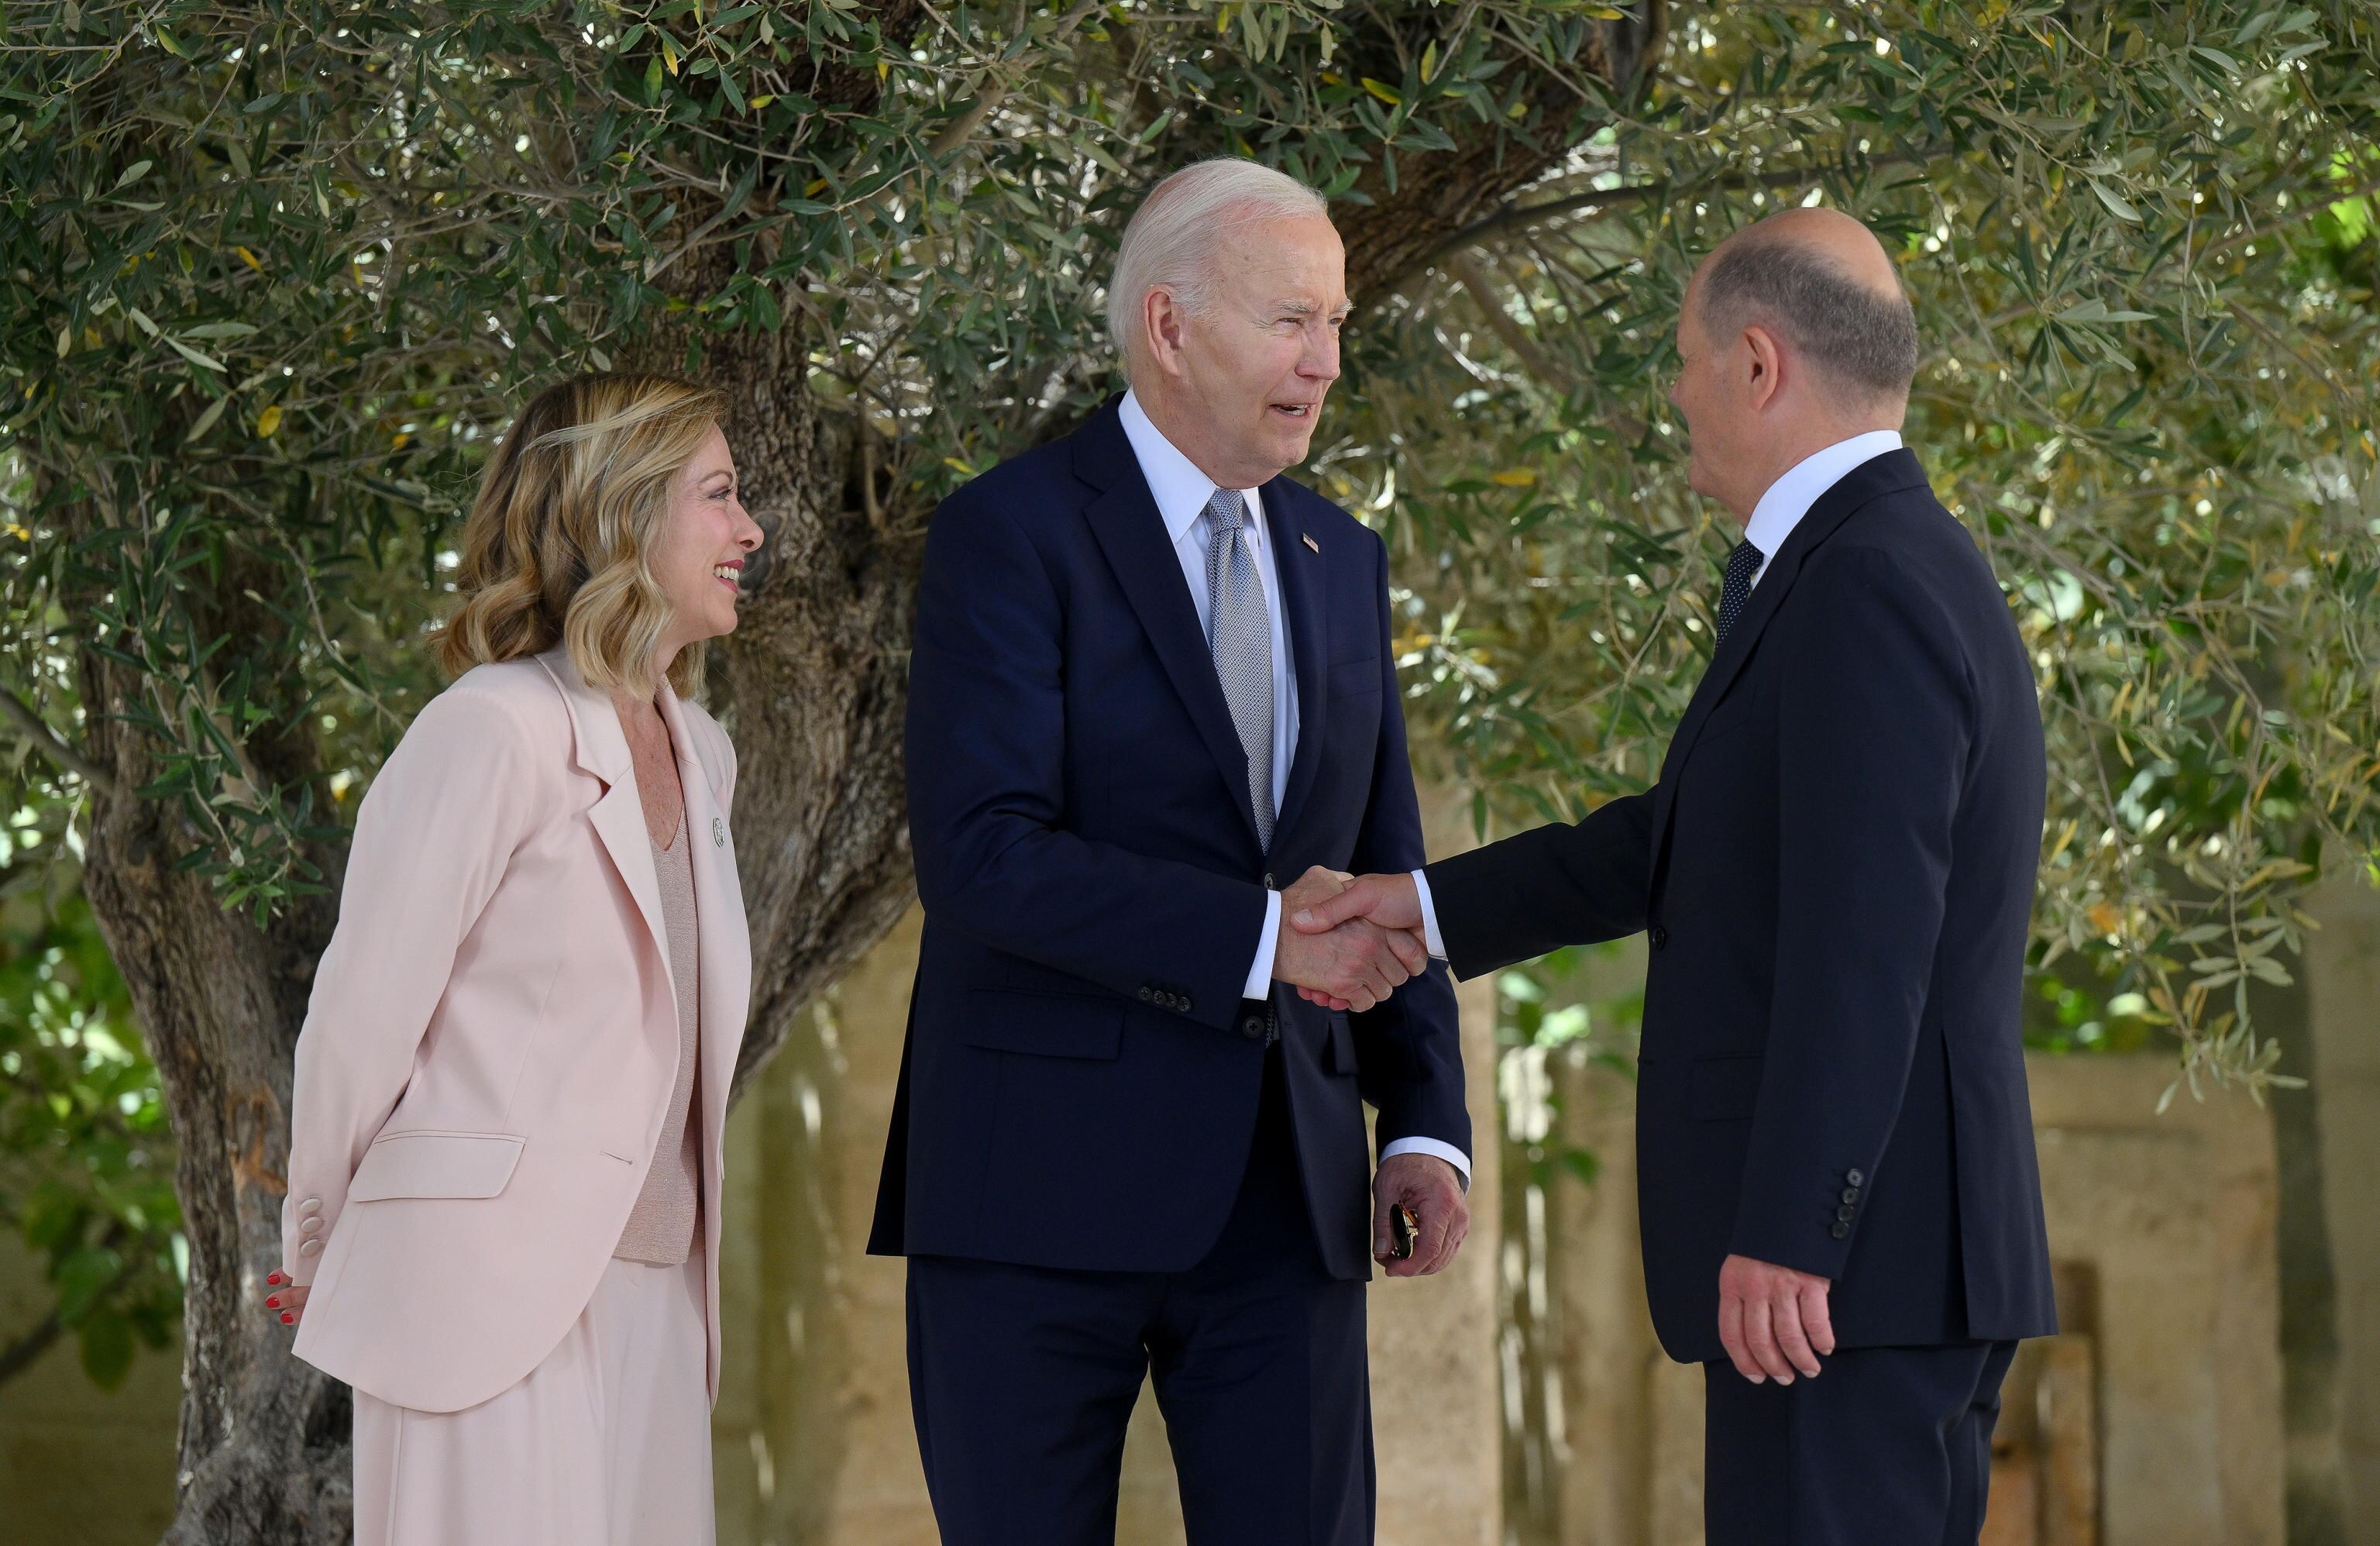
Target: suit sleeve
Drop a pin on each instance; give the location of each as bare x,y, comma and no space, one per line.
985,743
433,839
1541,889
1874,729
1409,1048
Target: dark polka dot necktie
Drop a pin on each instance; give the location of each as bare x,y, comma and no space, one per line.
1741,564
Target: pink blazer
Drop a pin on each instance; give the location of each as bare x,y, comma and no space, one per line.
492,1037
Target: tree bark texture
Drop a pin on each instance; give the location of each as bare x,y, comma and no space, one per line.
264,1439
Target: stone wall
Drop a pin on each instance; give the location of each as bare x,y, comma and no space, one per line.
79,1464
2342,975
2154,1421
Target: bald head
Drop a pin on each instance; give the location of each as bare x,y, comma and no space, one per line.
1822,281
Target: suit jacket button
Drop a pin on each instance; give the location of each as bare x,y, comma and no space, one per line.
1855,1178
1659,935
312,1247
1840,1230
1145,996
312,1205
1268,885
309,1224
1253,1028
1851,1194
1846,1213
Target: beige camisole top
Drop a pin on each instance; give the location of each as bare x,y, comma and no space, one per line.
661,1227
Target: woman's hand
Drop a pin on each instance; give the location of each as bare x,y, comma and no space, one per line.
288,1299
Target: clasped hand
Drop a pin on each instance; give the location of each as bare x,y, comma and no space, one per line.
1346,943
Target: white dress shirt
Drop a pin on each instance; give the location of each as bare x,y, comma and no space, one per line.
1182,492
1773,520
1789,498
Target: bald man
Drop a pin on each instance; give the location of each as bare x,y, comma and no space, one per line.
1837,1187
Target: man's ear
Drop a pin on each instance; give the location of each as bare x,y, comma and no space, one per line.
1763,370
1162,319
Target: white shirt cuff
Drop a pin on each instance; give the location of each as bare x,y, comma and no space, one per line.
1259,984
1430,936
1447,1151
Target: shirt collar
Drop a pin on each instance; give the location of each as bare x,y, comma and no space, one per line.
1180,489
1789,498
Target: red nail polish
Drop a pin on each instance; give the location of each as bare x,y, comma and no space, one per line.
272,1302
273,1277
287,1318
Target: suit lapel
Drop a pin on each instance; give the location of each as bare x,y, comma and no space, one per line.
1888,473
601,749
1131,533
1306,625
724,969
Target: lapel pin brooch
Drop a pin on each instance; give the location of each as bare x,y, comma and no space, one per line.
1311,542
718,833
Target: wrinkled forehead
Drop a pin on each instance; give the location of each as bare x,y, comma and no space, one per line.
1274,261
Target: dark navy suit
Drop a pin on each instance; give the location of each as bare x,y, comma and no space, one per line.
1835,873
1103,1159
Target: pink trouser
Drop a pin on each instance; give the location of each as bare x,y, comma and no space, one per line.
607,1442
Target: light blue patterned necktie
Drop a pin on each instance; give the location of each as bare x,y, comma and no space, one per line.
1239,633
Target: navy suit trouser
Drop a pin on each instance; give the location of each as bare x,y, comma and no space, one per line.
1023,1379
1888,1447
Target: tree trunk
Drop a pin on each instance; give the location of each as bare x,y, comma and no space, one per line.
811,686
264,1445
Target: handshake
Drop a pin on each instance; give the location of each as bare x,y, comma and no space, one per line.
1349,942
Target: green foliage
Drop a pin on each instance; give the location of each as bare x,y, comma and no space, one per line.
274,273
2138,239
86,1162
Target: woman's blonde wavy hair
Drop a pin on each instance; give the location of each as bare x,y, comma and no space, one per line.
556,545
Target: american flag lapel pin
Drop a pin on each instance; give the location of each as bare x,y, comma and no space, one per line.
1310,541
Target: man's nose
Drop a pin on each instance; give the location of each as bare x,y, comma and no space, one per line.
1321,363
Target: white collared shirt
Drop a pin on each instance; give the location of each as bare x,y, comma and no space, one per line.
1180,491
1780,509
1789,499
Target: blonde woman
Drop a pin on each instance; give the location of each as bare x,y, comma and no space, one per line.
502,1227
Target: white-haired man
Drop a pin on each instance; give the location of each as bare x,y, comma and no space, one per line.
1151,674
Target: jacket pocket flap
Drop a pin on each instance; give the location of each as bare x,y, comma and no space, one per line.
436,1164
1048,1025
1355,676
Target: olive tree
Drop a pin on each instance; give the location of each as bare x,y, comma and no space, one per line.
276,273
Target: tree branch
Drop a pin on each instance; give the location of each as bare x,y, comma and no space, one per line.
1467,272
21,1354
1519,217
50,744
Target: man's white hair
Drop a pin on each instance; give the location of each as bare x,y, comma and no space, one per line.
1171,242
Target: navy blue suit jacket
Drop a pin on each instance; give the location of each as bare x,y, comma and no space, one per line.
1080,1081
1835,873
